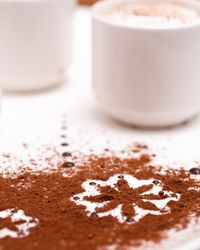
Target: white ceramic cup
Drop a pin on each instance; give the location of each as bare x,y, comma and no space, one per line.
35,43
146,76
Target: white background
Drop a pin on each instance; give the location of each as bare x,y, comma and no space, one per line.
36,118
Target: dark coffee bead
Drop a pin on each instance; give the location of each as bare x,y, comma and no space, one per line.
156,182
66,154
129,220
94,215
195,171
92,183
68,164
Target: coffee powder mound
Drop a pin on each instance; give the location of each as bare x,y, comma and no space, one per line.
107,201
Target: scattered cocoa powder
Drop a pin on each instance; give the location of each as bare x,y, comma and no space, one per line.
63,224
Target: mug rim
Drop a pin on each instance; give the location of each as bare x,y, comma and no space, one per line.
99,5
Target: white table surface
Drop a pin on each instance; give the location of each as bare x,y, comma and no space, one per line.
36,118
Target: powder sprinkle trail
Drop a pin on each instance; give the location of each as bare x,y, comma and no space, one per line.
103,201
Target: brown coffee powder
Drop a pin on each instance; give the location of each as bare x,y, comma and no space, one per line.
53,199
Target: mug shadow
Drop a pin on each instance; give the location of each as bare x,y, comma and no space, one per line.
103,118
43,91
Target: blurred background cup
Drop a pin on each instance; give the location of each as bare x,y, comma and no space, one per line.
146,76
36,38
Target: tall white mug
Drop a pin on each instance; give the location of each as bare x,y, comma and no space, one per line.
35,43
146,76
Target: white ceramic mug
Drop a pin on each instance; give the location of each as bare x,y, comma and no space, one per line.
146,76
35,43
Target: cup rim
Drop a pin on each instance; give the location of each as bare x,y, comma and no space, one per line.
101,4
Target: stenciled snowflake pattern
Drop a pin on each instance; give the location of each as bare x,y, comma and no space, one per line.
143,197
21,222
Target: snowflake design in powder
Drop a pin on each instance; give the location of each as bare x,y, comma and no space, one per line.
125,198
20,224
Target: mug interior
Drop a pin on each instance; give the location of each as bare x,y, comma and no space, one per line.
105,5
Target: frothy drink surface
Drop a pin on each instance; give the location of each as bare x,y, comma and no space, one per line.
151,15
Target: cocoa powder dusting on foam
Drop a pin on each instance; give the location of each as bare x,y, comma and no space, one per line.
57,202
